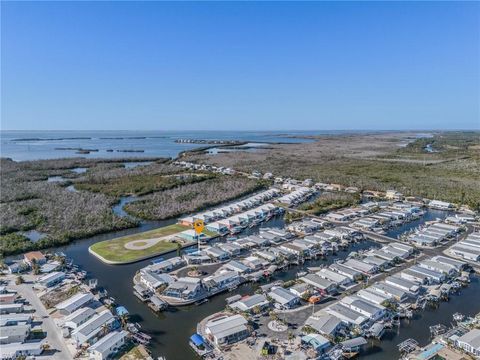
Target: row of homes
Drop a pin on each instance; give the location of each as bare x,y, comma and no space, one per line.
364,309
434,234
469,248
231,209
89,324
17,324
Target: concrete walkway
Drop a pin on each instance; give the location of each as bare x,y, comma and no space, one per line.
146,243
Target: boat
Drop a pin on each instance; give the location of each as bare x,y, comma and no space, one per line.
236,230
301,273
157,260
200,302
458,317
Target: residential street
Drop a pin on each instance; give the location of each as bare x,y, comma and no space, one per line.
54,337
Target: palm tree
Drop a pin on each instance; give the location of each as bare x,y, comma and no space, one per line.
124,320
179,249
19,280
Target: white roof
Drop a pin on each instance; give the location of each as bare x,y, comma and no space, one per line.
75,302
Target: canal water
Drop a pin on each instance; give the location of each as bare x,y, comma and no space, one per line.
430,215
171,329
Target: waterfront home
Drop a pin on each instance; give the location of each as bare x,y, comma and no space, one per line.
19,350
279,232
89,331
434,277
107,346
255,263
231,248
353,345
167,265
78,317
397,251
382,264
267,255
245,243
346,314
216,253
205,217
186,221
191,235
227,330
466,252
447,269
475,244
392,291
293,249
239,220
459,265
326,237
237,266
373,296
51,279
393,195
470,342
153,281
14,333
440,205
363,267
300,290
339,279
270,236
407,248
258,241
320,283
414,276
15,319
197,258
326,324
402,283
391,258
218,227
221,281
317,342
338,217
184,289
34,257
284,298
373,311
424,240
308,247
282,253
249,303
352,274
49,267
11,308
75,302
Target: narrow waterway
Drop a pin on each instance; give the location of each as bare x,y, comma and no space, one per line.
418,328
172,329
430,215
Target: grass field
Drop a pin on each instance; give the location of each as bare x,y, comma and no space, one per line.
114,250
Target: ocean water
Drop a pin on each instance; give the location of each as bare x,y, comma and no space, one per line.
33,145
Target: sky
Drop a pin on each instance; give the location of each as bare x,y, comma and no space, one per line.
240,65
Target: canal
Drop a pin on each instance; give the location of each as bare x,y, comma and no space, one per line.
171,329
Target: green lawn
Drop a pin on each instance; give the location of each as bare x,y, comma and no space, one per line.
114,250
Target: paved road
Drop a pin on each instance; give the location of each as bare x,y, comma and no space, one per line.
54,337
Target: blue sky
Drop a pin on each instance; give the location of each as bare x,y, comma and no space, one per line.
240,65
